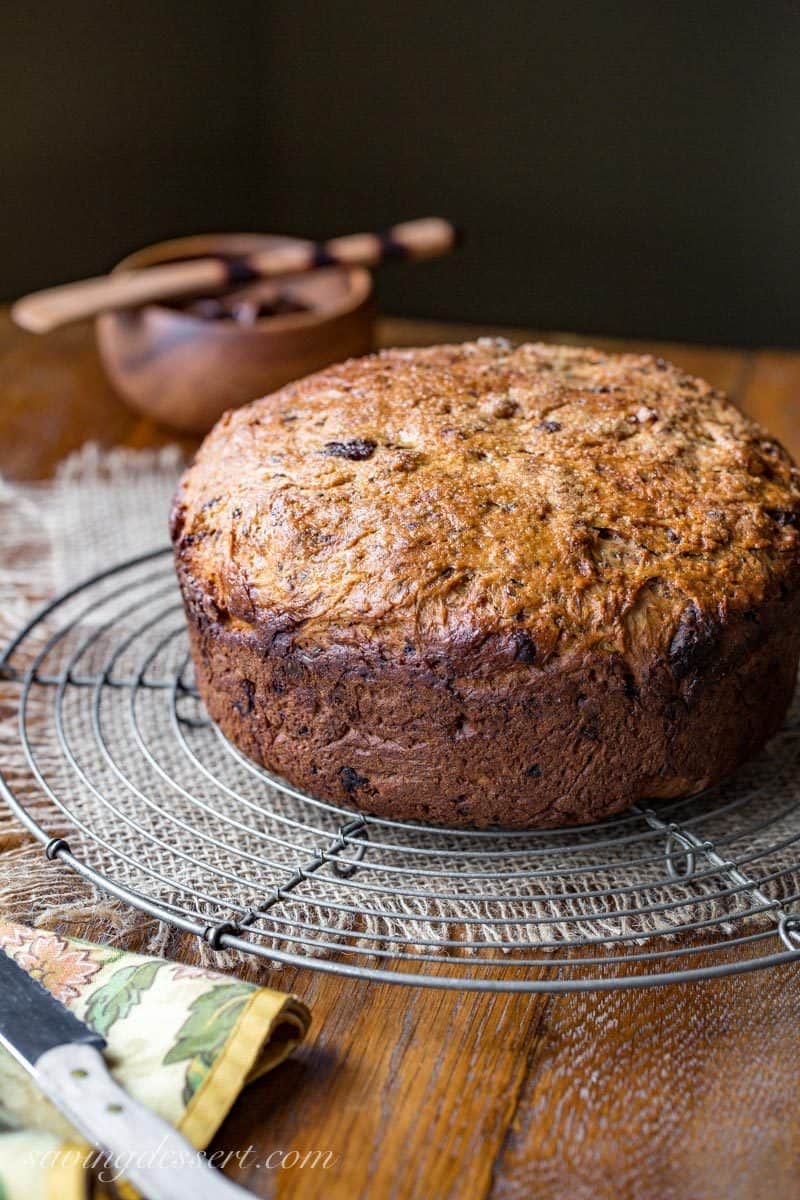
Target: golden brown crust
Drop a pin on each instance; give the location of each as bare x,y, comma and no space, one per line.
474,527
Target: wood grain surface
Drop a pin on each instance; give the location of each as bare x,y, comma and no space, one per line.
680,1092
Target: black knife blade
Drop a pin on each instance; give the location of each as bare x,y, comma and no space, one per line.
32,1021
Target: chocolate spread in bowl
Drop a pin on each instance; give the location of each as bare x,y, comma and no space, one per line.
244,311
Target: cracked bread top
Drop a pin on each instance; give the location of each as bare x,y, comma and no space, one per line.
537,502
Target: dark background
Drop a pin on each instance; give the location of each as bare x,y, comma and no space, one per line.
629,168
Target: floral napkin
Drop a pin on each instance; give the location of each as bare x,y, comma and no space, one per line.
182,1040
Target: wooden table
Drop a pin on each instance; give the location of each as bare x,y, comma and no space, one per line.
686,1091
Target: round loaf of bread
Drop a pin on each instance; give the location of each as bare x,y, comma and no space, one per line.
477,585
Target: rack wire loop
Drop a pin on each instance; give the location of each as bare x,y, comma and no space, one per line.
347,855
55,848
679,849
789,930
214,934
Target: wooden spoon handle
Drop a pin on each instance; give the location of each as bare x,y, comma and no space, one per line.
42,311
46,310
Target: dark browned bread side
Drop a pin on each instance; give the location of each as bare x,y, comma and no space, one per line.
478,585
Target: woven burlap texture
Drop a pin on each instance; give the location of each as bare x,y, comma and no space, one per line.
100,506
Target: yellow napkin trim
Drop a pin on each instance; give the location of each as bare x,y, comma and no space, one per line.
269,1027
66,1178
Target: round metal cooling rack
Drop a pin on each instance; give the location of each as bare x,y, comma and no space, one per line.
119,773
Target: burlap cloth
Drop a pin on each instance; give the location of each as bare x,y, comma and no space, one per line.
100,507
245,839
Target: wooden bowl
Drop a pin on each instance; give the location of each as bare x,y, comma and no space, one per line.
185,370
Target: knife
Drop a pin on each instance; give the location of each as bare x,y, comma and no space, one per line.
65,1058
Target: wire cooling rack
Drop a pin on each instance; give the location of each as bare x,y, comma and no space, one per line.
119,773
